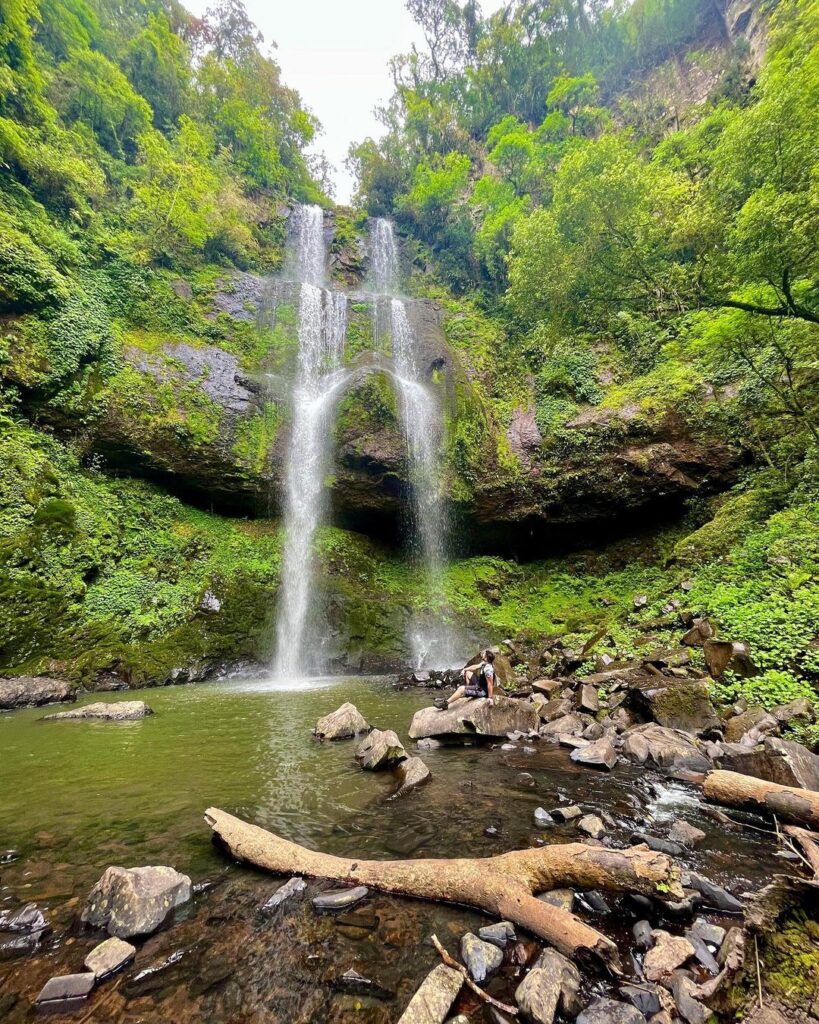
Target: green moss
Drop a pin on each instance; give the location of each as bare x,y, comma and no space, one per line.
255,437
791,958
360,336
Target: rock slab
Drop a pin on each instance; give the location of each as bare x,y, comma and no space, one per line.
476,717
433,1000
552,984
108,957
116,711
66,992
597,754
128,902
32,691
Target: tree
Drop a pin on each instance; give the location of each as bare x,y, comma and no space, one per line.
158,68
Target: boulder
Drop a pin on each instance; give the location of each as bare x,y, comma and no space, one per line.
723,656
33,691
557,707
411,774
548,687
476,717
552,984
433,1000
591,825
737,727
109,957
700,631
781,761
116,711
586,699
480,958
667,954
597,754
665,748
128,902
800,710
381,749
610,1011
567,725
341,724
674,703
689,1008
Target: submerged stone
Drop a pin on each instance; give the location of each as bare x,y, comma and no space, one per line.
292,887
109,957
411,774
135,901
433,1000
340,899
65,993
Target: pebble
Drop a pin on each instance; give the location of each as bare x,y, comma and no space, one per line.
708,932
659,845
641,930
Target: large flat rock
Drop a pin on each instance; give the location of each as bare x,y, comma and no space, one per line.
115,711
475,717
32,691
780,761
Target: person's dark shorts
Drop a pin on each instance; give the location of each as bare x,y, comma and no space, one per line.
474,691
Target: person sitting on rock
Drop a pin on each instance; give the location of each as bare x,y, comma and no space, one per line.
479,681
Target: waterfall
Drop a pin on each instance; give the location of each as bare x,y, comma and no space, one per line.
421,423
319,379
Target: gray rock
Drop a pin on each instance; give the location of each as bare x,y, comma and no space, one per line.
292,887
591,825
714,895
610,1011
598,754
32,691
210,603
685,834
750,728
595,902
542,818
381,749
548,687
340,899
116,711
655,843
127,902
690,1009
567,725
781,761
553,709
665,748
641,930
109,957
593,731
702,953
646,998
341,724
552,984
433,1000
799,710
500,934
28,920
573,742
480,958
708,932
411,774
65,993
476,717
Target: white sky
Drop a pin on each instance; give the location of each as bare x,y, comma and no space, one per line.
335,53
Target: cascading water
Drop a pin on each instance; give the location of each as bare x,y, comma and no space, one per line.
421,424
319,379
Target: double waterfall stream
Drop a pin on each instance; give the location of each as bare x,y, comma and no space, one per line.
319,384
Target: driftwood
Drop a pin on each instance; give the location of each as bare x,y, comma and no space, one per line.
809,842
503,886
798,806
479,992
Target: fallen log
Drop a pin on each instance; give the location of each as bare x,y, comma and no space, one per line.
503,886
788,803
809,842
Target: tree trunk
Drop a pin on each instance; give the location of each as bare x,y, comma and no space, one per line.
503,886
788,803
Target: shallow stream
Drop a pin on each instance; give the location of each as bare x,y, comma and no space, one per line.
77,796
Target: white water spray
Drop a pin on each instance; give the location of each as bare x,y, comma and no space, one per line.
319,380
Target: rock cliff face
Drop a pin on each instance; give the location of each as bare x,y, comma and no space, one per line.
215,429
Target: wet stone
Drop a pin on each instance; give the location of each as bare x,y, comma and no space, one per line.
641,930
702,953
29,920
566,813
668,953
359,984
340,899
591,825
525,779
19,946
708,932
212,973
433,1000
685,834
292,887
714,895
646,998
552,984
595,902
558,898
65,993
481,958
135,901
108,957
500,934
655,843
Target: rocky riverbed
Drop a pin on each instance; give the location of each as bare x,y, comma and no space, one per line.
136,797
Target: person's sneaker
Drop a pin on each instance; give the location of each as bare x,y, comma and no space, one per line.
441,703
